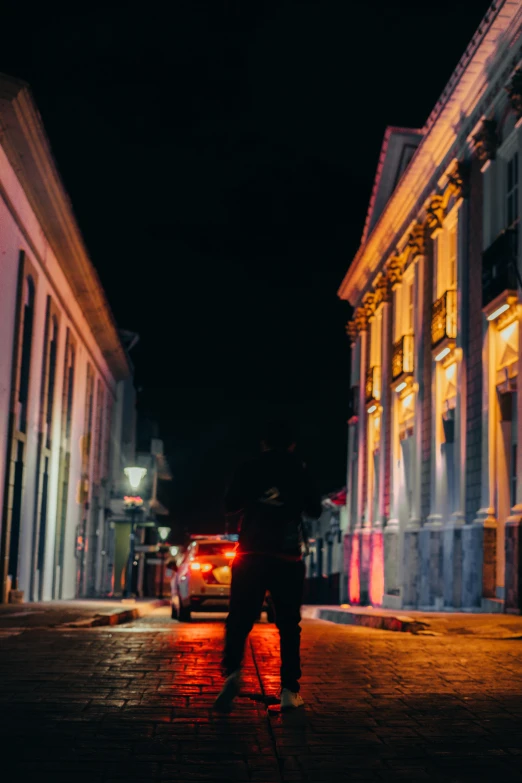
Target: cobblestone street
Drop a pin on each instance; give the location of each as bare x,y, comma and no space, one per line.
133,703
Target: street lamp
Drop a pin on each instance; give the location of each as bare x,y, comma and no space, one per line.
135,476
132,504
164,550
164,533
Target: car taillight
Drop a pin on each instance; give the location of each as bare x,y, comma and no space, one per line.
203,567
230,555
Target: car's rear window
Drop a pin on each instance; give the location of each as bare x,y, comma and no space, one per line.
215,549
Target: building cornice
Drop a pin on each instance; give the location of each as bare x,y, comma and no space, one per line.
495,49
23,139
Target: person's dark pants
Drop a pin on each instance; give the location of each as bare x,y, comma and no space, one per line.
252,576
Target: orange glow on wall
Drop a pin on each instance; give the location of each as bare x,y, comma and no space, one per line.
377,570
354,585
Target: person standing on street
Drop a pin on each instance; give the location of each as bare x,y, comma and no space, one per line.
272,493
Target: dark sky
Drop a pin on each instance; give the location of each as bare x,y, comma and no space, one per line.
220,158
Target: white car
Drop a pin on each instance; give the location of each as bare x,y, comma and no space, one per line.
201,581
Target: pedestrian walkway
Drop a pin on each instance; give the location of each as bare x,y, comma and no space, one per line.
494,626
87,613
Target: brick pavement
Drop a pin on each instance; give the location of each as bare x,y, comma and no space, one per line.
133,703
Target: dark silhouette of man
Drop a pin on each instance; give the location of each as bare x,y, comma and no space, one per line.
272,494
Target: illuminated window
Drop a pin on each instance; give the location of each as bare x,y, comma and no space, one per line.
452,258
375,340
446,260
410,307
404,307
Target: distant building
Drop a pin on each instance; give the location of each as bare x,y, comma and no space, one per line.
434,470
325,563
153,516
61,363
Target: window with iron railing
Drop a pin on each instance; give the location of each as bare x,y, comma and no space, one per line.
499,266
373,384
444,318
402,356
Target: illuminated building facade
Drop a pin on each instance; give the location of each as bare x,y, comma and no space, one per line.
434,471
61,360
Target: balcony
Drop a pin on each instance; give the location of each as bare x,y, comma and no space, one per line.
402,357
498,267
373,384
444,318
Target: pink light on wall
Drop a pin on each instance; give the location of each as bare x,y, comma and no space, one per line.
354,585
377,570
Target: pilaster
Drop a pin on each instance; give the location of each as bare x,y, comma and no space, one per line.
513,529
452,535
361,427
479,538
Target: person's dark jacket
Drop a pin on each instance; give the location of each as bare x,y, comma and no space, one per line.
272,494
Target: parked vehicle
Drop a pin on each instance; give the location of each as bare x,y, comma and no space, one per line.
201,581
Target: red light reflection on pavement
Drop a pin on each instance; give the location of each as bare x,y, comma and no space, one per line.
355,584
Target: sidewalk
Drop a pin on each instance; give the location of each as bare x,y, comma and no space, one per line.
486,626
75,614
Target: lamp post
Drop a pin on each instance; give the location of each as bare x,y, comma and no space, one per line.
135,476
164,549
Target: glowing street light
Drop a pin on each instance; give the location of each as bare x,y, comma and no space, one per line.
135,475
164,533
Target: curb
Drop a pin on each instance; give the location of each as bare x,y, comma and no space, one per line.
397,623
117,618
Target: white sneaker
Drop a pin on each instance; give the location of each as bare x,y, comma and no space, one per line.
290,700
228,693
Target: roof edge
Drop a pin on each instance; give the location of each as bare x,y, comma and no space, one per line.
27,147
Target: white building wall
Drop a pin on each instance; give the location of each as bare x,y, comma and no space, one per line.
20,231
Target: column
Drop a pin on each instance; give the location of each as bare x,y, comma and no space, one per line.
386,344
513,531
360,543
479,538
452,535
361,428
377,541
351,479
411,562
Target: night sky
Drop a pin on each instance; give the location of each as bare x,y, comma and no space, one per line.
220,158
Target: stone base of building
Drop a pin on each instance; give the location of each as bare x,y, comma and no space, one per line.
442,568
447,568
513,583
452,567
410,569
391,560
430,560
364,566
